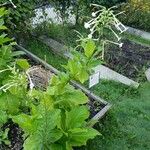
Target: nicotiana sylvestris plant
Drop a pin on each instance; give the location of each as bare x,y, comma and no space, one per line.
102,19
57,120
12,83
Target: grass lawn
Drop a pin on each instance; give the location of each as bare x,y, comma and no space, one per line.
126,126
136,39
45,53
68,36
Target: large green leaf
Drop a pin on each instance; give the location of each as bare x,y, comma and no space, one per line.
54,135
23,63
79,136
9,103
89,48
36,142
3,28
83,75
56,147
71,97
26,122
5,55
3,12
3,117
76,117
74,67
33,143
45,130
4,39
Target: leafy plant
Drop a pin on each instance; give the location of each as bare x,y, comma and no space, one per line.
13,84
19,12
55,129
80,65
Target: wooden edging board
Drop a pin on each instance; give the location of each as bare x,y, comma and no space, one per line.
90,94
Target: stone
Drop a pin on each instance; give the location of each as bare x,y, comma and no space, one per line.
137,32
108,74
147,73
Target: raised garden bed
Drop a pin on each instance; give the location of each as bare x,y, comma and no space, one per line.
98,106
132,59
59,49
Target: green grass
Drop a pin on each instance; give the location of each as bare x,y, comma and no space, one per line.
131,37
136,39
126,126
45,53
64,34
68,36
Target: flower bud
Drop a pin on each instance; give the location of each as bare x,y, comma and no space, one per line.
90,36
86,25
93,14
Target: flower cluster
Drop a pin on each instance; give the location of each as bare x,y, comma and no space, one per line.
105,18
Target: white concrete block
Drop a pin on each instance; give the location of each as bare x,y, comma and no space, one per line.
109,74
147,73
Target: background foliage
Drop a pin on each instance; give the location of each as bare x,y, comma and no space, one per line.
137,14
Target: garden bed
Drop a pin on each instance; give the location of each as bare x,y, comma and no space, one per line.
132,60
15,136
98,107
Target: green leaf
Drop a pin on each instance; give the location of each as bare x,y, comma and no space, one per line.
56,147
33,143
18,53
4,39
9,103
26,122
73,67
79,136
54,135
3,12
71,98
3,117
83,76
3,28
89,48
76,117
23,63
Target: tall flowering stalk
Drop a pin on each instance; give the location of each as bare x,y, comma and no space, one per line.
102,19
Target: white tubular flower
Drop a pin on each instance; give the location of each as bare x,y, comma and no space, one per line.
120,45
13,4
31,85
92,29
30,81
90,36
86,25
93,14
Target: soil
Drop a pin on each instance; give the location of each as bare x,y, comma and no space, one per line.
14,135
131,60
94,107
